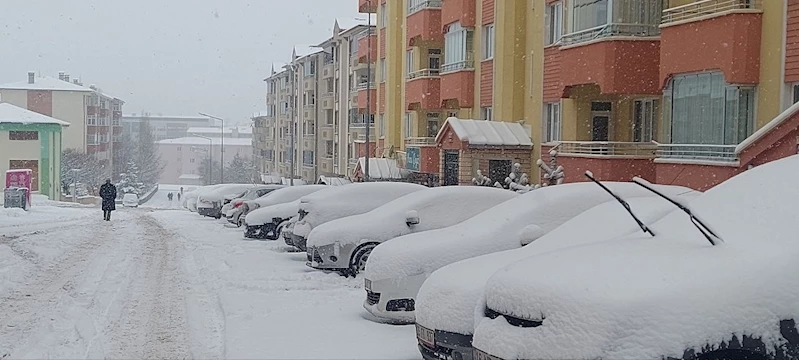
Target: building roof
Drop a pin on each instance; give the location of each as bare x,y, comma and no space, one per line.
382,169
17,115
305,50
347,23
193,140
484,132
216,130
45,83
151,116
189,177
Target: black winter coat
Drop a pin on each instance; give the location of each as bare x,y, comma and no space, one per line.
109,194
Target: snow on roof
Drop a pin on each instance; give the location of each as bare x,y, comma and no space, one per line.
216,130
382,169
45,83
771,125
436,208
347,23
635,305
484,132
191,140
449,296
302,51
153,116
337,202
17,115
271,179
333,181
189,177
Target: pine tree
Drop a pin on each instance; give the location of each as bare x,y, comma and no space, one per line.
130,182
203,171
147,157
238,171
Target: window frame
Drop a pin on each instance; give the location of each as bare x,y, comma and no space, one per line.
553,23
489,38
23,135
552,126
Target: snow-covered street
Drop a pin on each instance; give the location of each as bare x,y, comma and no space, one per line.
162,282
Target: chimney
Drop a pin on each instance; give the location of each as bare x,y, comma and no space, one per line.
31,76
75,81
66,77
60,75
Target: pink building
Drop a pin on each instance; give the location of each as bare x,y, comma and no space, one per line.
183,156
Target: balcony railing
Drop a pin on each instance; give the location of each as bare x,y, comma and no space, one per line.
365,85
609,30
362,137
707,7
419,5
701,152
457,66
420,141
637,150
423,73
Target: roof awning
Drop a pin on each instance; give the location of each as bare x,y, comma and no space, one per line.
487,133
381,169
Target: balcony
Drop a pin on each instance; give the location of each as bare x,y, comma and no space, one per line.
698,152
609,161
328,70
365,44
423,87
606,61
327,100
457,85
420,141
367,6
424,22
462,11
371,89
725,35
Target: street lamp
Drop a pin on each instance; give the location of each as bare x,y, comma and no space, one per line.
368,89
222,147
293,69
210,157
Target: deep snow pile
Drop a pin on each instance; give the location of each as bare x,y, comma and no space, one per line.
435,208
348,200
446,301
641,297
497,229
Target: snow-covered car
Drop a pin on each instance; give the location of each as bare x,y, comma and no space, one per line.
718,281
190,197
210,202
229,209
130,200
397,269
446,301
344,245
263,218
287,232
342,201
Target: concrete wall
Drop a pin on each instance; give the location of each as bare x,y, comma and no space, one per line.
70,107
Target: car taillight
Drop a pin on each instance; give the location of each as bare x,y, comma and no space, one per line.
237,204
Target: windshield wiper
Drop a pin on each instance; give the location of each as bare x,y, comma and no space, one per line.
709,234
623,203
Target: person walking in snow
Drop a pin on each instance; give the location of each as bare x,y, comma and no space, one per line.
109,194
169,196
178,196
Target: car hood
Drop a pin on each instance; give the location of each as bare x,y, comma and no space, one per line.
265,215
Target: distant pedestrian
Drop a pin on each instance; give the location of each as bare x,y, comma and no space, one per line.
108,192
181,191
178,196
169,196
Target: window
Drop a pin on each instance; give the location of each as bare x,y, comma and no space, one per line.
457,48
553,23
383,15
408,125
382,124
409,62
91,120
552,122
329,148
487,113
433,124
116,106
588,14
191,160
179,148
307,157
23,135
703,109
644,119
383,70
488,42
434,59
795,93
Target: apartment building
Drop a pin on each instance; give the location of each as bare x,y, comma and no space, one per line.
94,115
163,126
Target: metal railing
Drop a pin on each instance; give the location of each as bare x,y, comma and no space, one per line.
456,66
362,137
417,5
418,141
704,152
423,73
643,150
707,7
365,85
609,30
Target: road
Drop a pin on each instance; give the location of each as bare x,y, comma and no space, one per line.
118,290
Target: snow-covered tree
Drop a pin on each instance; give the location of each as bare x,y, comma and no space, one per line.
212,176
239,170
147,158
130,182
90,171
552,173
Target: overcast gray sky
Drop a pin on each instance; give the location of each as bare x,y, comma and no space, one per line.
174,57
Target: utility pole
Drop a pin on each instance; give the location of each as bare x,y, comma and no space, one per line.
222,147
293,100
368,90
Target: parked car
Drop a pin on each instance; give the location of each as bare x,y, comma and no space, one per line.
397,269
446,301
265,216
190,197
210,202
342,201
250,194
717,281
344,245
287,232
130,200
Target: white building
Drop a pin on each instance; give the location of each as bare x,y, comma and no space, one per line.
240,132
182,156
164,127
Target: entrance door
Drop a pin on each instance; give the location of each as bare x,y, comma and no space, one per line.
451,159
498,170
599,128
27,164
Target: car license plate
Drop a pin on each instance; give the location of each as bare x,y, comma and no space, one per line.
481,355
367,284
426,335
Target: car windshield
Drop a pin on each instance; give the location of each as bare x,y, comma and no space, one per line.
160,161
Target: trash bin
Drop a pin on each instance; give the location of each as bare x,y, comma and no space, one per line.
15,197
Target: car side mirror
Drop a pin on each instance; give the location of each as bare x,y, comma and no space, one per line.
529,234
411,218
277,220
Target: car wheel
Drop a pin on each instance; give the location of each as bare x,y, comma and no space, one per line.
358,262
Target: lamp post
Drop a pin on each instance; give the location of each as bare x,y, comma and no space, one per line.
222,147
210,157
293,80
368,90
